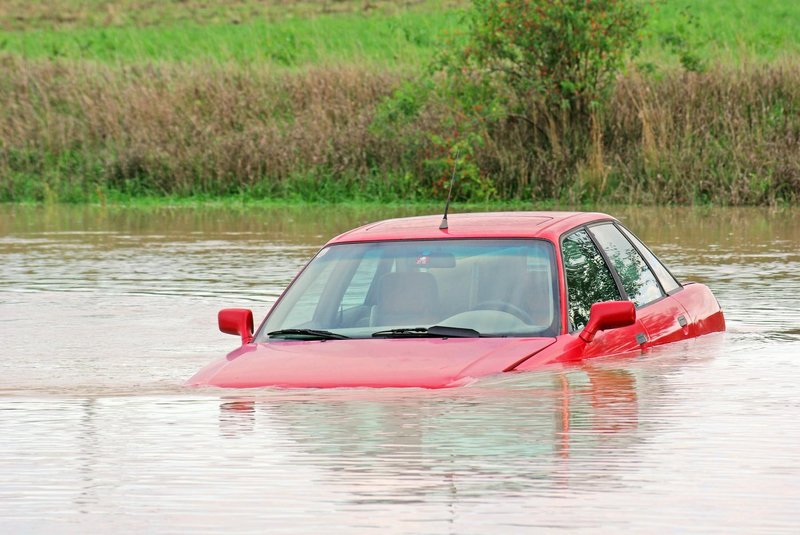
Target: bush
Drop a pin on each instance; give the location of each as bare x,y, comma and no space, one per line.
533,72
550,54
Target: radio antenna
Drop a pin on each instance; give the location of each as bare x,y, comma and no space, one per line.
443,224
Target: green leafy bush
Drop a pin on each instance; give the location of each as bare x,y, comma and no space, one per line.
529,74
556,54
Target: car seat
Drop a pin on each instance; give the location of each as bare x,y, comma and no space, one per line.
406,298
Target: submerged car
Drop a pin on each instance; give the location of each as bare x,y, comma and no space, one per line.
405,303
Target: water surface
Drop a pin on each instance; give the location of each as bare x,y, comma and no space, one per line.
105,312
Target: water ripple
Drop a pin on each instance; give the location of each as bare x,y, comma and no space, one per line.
104,314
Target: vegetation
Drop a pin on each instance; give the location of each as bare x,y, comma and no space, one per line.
393,40
71,14
286,100
390,33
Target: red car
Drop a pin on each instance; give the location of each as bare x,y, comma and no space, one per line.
405,303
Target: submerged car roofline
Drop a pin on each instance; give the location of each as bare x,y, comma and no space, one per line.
547,225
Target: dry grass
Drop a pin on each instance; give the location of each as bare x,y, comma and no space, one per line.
183,130
730,135
78,130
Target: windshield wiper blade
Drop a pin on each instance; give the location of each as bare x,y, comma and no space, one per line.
437,331
316,333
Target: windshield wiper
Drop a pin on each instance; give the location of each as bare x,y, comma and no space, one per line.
315,333
437,331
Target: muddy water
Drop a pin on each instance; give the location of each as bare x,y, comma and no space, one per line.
105,312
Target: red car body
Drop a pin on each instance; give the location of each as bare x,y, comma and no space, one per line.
613,327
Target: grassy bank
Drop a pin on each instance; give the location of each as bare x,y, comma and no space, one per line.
242,99
383,33
77,132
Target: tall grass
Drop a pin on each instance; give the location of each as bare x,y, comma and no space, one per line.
75,129
279,98
83,131
731,135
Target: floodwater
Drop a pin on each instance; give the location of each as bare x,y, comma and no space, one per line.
105,312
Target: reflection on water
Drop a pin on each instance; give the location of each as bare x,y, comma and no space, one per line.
105,312
532,420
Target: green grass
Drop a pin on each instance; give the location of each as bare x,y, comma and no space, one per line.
72,14
407,38
727,30
712,29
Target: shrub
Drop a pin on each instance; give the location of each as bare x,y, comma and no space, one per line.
549,54
533,73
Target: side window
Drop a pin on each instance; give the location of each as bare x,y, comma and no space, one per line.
637,279
588,278
666,279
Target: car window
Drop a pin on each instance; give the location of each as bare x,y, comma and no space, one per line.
356,292
305,307
589,280
637,279
666,279
498,287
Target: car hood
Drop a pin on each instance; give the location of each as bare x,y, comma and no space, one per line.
405,362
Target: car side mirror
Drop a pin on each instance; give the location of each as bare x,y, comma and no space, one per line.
237,321
608,315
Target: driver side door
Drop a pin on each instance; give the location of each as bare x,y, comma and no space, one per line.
590,280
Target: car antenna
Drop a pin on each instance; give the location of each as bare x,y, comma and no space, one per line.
443,224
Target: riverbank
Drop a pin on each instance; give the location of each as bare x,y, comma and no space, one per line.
83,132
290,103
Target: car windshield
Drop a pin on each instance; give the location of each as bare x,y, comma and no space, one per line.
505,287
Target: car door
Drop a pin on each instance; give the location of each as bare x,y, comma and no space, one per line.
589,280
664,319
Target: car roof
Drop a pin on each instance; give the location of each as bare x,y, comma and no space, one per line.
548,225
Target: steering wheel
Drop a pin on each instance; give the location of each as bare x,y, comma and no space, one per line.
504,306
